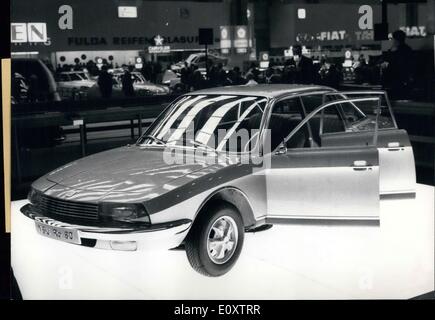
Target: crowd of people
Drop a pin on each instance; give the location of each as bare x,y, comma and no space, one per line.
393,70
298,69
150,70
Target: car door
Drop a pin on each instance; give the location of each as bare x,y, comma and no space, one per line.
396,159
309,180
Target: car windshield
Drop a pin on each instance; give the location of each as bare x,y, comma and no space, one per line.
137,77
77,76
191,57
219,122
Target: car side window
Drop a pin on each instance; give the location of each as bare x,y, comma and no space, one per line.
285,116
311,102
63,77
328,120
331,121
351,113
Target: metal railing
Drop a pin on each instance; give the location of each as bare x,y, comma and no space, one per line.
76,115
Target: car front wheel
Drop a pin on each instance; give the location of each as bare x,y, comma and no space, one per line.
215,241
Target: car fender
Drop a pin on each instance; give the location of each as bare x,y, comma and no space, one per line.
234,196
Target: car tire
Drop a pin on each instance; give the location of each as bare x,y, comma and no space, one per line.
215,241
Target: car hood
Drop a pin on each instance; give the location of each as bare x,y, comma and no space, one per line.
151,87
131,170
77,83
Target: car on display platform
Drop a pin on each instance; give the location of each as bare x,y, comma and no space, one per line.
220,162
74,84
141,86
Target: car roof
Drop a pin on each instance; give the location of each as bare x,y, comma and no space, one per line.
71,72
264,90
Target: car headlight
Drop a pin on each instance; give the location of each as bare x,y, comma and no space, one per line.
127,212
34,196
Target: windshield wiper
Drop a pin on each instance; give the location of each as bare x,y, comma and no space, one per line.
154,139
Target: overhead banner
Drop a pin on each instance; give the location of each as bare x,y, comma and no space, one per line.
159,47
241,37
225,33
241,42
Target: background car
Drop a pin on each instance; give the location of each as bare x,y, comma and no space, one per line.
141,86
198,59
74,84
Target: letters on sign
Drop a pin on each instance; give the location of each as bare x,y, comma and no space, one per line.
365,22
66,20
18,32
28,32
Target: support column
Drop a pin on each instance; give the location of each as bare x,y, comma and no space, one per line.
238,10
237,16
261,25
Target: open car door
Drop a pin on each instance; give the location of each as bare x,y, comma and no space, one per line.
318,173
397,175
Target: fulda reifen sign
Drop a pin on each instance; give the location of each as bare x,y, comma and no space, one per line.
54,25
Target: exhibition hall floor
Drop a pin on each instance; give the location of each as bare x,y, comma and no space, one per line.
392,260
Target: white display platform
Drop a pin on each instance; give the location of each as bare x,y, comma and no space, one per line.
393,260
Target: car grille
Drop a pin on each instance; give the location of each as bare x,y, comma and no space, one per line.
66,208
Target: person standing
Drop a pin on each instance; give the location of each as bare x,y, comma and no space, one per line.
221,75
301,67
250,79
185,77
398,66
105,83
33,92
213,76
127,83
332,76
254,71
197,78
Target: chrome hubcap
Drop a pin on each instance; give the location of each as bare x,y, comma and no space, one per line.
222,239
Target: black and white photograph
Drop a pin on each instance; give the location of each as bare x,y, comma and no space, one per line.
220,150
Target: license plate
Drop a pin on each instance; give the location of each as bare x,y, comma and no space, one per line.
58,233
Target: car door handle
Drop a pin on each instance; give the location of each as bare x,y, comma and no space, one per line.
394,146
360,165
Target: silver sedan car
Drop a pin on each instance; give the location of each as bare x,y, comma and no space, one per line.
221,162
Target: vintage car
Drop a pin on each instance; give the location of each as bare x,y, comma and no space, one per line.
221,162
141,86
199,60
74,84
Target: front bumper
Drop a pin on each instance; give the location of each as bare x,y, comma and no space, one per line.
157,236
